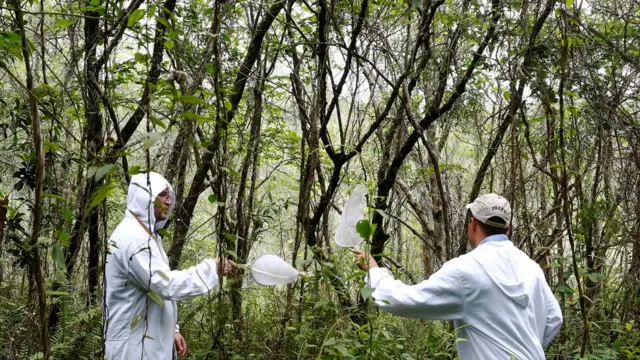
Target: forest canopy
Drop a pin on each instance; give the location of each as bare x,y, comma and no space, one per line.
265,115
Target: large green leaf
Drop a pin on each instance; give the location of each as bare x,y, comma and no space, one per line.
155,297
363,227
135,16
64,23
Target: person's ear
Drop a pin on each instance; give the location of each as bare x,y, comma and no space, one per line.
474,224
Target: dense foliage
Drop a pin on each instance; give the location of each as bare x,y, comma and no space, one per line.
264,115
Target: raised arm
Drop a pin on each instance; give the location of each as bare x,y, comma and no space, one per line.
441,297
148,270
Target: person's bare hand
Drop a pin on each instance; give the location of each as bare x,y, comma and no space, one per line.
225,266
364,261
181,345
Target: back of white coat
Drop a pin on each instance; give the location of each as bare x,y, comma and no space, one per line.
141,290
496,295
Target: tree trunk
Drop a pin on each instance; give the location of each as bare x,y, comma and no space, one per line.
93,118
35,268
245,208
3,218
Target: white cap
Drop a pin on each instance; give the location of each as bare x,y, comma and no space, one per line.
491,205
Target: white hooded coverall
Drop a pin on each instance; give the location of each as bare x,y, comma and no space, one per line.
496,295
138,265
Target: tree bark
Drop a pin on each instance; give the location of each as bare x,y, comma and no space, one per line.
3,218
244,211
35,267
95,142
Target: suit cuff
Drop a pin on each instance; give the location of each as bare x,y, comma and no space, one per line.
375,275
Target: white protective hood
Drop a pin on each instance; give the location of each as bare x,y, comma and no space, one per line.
143,190
503,269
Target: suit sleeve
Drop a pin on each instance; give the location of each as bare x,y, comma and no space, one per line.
441,297
554,317
148,270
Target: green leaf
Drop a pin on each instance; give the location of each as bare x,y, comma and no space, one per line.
135,17
319,304
162,275
569,4
99,195
104,170
151,11
227,105
169,44
134,170
226,38
58,257
191,99
212,198
64,237
366,292
563,288
329,342
164,22
52,196
157,121
342,350
155,297
364,229
57,293
64,23
135,321
141,58
48,146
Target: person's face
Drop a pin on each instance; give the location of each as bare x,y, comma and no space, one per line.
162,205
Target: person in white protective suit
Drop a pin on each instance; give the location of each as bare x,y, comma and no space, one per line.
141,290
496,295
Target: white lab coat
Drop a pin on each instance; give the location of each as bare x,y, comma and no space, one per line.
496,295
137,264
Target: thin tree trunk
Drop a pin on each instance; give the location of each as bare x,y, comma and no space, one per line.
565,195
36,266
245,208
3,218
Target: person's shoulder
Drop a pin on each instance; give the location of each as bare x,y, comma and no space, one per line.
463,265
128,235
